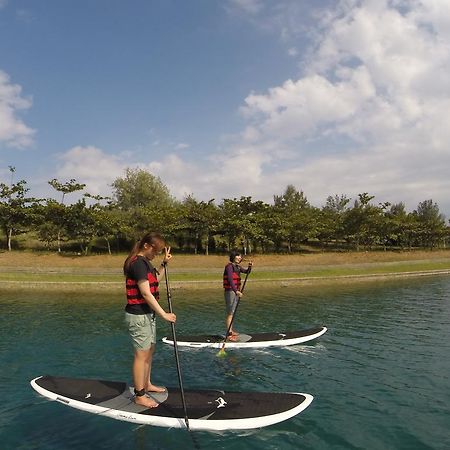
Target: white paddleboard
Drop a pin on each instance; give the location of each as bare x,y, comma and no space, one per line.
255,340
213,410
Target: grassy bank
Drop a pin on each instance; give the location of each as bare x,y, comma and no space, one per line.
189,271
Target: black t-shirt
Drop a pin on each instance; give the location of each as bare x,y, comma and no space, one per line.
139,270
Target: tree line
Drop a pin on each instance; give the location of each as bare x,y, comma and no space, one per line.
140,202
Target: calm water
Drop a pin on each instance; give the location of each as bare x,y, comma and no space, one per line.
380,376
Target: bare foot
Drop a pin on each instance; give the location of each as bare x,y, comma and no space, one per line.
143,400
234,333
233,337
152,388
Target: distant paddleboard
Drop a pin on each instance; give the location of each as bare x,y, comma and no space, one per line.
206,409
249,340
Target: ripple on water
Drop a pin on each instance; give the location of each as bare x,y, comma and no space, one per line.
379,376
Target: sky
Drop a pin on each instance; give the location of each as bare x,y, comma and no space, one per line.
229,98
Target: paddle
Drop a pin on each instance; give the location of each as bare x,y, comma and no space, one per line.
175,346
221,352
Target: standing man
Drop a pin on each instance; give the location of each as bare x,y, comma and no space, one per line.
232,286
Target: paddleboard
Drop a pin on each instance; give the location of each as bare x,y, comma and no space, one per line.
207,409
249,340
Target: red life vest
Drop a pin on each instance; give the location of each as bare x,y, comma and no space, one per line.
236,277
134,296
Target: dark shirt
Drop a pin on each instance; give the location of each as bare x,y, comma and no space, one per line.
139,270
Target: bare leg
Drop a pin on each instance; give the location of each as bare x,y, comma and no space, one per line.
228,322
149,386
140,375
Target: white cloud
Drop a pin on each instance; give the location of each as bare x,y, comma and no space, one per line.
92,166
98,169
178,175
297,108
234,172
13,131
435,12
370,112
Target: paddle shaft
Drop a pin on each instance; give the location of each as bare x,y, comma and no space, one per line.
236,299
175,346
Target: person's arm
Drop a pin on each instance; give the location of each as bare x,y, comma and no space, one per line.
144,288
248,269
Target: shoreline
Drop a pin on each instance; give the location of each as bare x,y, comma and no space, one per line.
208,284
21,270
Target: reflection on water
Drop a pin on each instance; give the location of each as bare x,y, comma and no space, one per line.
380,375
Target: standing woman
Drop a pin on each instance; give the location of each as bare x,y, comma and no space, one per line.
142,281
232,286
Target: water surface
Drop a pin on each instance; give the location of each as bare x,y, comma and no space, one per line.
380,375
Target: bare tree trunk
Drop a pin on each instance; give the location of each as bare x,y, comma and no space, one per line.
108,244
9,239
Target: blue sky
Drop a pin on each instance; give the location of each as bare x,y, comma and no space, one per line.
228,98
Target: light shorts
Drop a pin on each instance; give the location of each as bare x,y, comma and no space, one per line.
142,329
230,301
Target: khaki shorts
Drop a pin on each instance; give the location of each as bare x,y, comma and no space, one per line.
142,329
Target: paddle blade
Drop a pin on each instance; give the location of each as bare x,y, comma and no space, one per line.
221,353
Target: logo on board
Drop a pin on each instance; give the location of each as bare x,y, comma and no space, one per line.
221,402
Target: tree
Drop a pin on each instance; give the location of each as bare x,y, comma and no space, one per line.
140,189
57,212
52,222
291,200
146,202
331,219
16,209
402,227
199,220
432,228
108,221
67,187
232,223
79,224
297,217
14,214
241,222
362,223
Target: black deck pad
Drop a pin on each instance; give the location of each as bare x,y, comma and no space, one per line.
201,404
251,337
216,405
83,390
257,337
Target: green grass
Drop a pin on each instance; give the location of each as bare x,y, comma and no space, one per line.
214,276
54,277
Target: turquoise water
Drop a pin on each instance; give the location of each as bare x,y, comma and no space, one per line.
380,375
